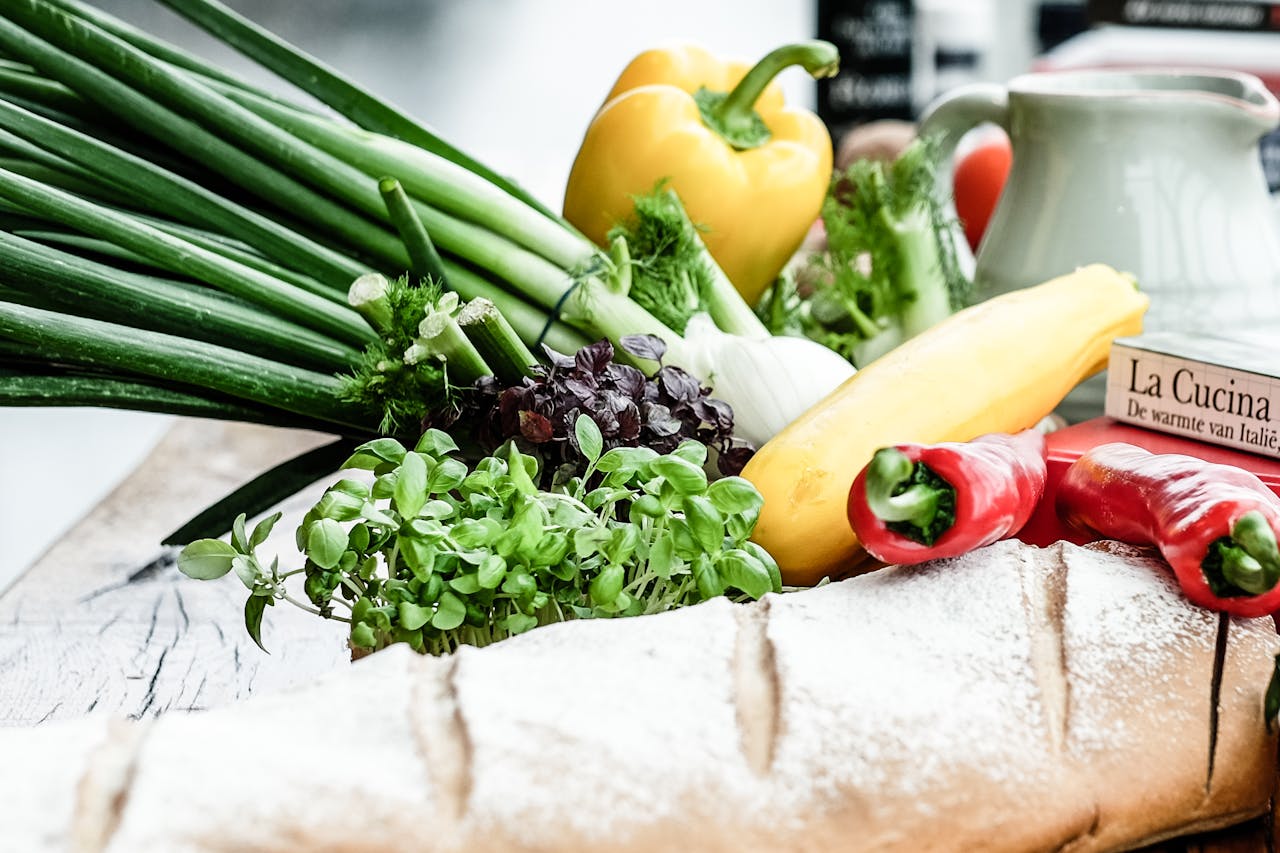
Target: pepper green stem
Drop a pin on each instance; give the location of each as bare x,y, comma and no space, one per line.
1252,563
734,116
889,470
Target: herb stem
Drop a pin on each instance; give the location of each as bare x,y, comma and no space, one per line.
312,610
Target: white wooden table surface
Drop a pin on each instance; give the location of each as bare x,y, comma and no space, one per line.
105,622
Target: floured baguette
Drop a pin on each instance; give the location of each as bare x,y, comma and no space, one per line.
1012,699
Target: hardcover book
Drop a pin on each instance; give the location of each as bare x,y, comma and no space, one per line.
1206,14
1221,390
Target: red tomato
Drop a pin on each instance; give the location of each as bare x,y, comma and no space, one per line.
979,178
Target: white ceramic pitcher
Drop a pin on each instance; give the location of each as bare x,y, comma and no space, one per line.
1155,172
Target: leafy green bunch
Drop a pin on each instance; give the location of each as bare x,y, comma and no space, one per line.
889,271
437,555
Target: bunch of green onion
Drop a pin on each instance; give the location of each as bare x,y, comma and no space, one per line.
175,239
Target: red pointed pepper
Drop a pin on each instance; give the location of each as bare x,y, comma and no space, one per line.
916,502
1216,525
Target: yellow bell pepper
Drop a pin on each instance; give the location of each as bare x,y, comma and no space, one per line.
750,170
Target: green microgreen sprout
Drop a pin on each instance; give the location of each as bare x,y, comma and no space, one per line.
426,551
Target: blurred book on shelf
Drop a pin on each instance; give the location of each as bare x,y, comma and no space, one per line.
896,56
1251,15
875,39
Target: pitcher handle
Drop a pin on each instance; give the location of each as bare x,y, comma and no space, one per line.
953,115
944,122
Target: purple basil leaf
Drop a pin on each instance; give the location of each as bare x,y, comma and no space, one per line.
678,385
718,413
594,358
733,460
583,389
613,402
629,422
558,360
607,422
629,381
534,427
658,419
644,346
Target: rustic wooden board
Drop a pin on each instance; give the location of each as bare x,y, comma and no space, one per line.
105,622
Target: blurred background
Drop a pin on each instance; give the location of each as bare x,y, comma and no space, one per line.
515,82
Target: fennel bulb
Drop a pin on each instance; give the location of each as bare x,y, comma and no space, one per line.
769,382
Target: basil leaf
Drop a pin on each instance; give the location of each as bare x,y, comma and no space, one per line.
707,578
475,532
373,515
238,537
518,623
734,495
705,523
739,569
551,550
362,636
692,451
606,586
468,584
662,557
649,506
371,454
262,530
588,540
339,505
450,612
326,542
685,477
247,569
358,538
590,441
436,443
448,475
253,610
206,559
384,487
412,616
491,572
411,485
766,559
418,554
622,543
626,459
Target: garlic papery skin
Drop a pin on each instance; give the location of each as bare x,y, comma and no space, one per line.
769,382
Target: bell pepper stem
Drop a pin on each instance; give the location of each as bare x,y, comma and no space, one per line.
734,117
888,470
1253,562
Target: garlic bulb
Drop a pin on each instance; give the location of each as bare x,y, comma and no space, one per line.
769,381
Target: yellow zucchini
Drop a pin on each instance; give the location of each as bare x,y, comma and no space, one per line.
998,366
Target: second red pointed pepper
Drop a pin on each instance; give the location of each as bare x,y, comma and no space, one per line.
1216,525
